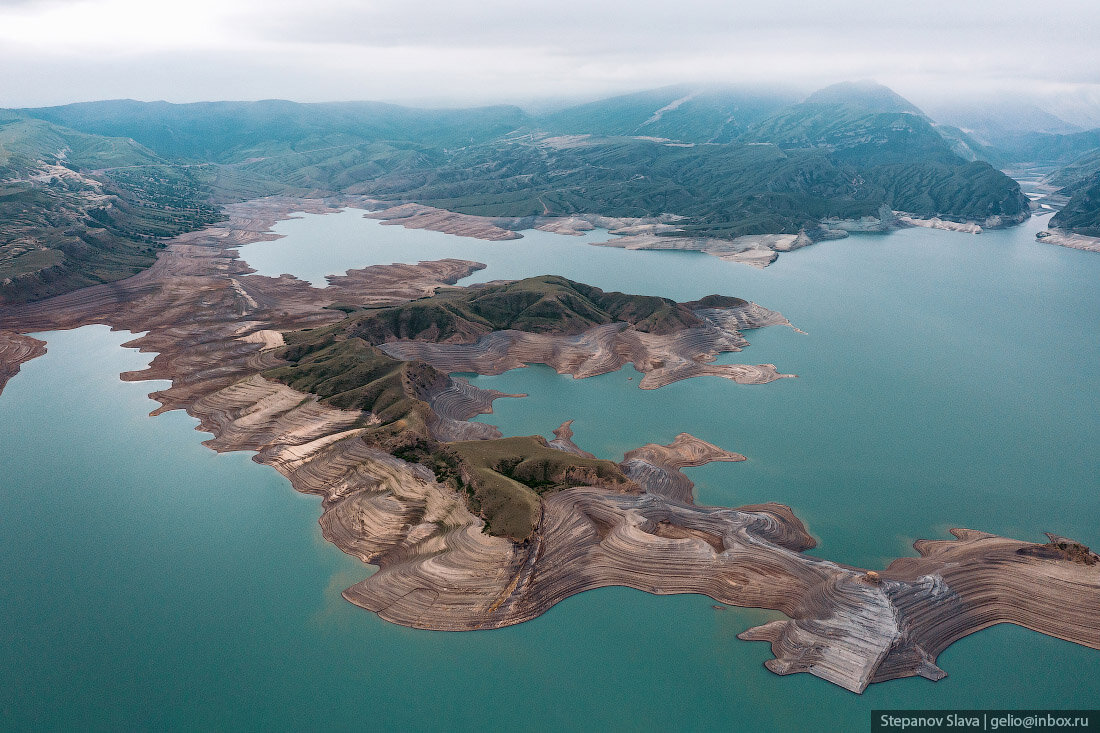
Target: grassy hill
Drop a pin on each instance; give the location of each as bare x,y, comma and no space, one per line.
501,479
63,226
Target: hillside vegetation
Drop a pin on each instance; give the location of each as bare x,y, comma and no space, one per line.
1082,213
543,304
63,226
847,152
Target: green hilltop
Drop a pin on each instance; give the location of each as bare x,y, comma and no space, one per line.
1081,214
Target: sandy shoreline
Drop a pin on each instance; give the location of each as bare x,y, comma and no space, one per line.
1068,239
213,323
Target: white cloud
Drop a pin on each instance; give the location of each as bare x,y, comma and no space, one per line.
54,51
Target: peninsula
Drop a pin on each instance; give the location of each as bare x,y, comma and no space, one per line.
346,390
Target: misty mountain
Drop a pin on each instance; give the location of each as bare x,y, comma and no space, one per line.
681,113
1082,213
230,132
997,122
1050,149
865,95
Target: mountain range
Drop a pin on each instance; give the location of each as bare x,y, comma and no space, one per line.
89,191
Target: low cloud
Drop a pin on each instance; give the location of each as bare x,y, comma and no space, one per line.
432,51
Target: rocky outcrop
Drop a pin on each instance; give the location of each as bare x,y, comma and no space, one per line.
657,467
899,620
937,223
453,406
563,441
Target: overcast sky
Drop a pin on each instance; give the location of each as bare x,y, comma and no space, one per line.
459,52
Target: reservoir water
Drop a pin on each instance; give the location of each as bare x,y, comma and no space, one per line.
945,380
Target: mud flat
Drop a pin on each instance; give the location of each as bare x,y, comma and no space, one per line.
1069,239
215,327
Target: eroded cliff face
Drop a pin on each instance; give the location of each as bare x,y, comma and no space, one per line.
216,328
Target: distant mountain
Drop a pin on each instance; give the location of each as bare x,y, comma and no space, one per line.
1079,178
680,113
970,148
999,122
867,119
1049,149
1079,107
847,121
846,152
1083,167
231,132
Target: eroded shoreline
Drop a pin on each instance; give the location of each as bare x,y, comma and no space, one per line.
213,324
663,232
15,350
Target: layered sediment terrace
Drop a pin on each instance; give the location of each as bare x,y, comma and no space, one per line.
216,327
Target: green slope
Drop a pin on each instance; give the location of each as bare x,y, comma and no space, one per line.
1082,213
544,304
502,480
63,225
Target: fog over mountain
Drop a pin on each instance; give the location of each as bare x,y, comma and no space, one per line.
450,53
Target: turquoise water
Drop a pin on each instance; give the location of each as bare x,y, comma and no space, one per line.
315,245
946,380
